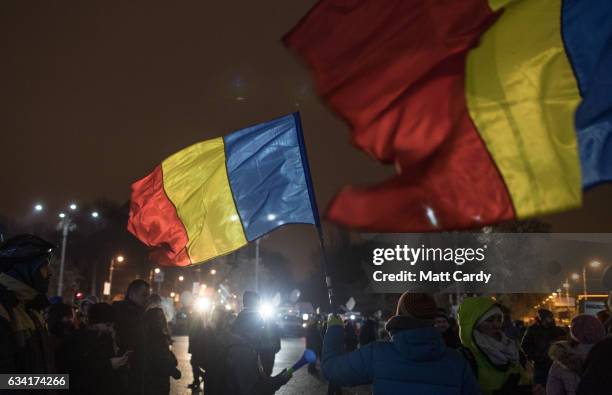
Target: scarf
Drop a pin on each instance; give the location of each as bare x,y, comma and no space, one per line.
500,353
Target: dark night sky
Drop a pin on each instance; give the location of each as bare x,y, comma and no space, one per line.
96,93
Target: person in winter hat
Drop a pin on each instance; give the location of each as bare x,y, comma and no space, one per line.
596,379
248,346
409,363
250,322
569,356
24,281
537,341
497,360
449,334
130,334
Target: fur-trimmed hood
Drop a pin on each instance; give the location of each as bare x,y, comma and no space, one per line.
571,356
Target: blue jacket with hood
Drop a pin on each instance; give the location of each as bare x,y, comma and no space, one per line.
415,361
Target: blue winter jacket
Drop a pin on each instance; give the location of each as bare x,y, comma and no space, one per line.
415,361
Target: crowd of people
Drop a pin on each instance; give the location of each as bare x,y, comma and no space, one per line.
126,347
482,352
123,348
235,355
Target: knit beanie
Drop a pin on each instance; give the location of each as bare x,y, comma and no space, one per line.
417,305
100,313
587,329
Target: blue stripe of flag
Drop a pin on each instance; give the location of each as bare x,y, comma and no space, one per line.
269,177
587,34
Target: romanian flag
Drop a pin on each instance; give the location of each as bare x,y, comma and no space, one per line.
217,195
489,110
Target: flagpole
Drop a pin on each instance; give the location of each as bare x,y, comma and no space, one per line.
324,265
315,210
257,265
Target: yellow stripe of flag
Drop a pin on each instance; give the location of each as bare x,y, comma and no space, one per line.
195,180
522,95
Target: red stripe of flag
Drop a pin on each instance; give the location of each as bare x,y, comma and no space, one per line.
154,220
395,71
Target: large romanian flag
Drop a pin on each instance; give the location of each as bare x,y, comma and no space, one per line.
217,195
489,110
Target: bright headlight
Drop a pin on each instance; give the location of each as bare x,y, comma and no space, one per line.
202,304
266,310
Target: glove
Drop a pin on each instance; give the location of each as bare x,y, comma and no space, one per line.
118,362
283,377
333,319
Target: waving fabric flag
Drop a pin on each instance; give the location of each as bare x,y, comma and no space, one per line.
215,196
490,110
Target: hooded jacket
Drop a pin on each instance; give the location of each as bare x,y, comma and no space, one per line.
490,377
410,363
568,365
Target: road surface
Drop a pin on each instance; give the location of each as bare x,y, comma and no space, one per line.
301,383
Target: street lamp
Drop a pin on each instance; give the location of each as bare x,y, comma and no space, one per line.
566,286
118,258
593,265
178,279
66,225
158,278
575,276
213,272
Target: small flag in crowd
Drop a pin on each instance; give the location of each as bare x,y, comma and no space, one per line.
490,110
217,195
